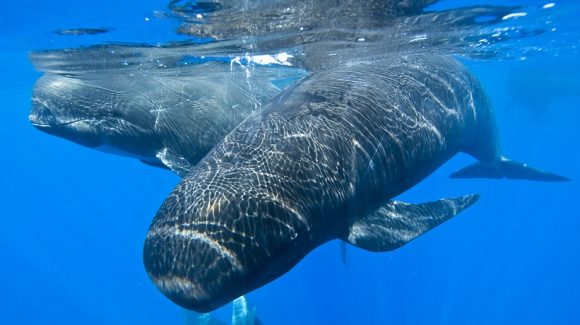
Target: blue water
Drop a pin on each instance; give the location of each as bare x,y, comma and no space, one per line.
73,220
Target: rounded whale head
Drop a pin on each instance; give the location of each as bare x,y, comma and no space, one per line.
91,112
215,240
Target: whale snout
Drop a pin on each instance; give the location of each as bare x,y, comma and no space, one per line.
45,116
192,268
41,116
213,241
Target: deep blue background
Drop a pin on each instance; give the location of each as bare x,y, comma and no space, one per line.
73,220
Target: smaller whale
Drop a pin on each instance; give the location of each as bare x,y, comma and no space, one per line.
166,118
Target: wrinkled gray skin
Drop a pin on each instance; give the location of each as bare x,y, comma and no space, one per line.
164,118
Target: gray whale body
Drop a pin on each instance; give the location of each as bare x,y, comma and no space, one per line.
167,118
323,160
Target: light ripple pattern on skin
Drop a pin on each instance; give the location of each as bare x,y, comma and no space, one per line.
323,154
169,118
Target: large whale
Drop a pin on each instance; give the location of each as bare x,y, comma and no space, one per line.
323,160
164,117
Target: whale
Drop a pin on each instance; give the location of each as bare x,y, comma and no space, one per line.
168,118
323,160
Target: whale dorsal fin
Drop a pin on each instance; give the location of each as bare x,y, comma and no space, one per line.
396,223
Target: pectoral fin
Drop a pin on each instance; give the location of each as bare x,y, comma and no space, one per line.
396,223
177,163
158,164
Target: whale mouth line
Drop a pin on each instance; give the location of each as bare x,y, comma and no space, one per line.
48,125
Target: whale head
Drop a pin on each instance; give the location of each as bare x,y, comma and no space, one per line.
92,112
221,234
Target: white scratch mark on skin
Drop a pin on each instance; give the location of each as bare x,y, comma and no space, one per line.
196,235
183,286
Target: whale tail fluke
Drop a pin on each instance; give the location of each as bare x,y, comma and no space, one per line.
505,168
395,223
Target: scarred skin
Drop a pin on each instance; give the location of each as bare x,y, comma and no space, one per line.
331,149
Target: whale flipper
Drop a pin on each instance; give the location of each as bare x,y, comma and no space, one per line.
396,223
157,164
176,162
505,168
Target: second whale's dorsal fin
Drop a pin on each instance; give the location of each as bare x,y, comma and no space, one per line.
396,223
